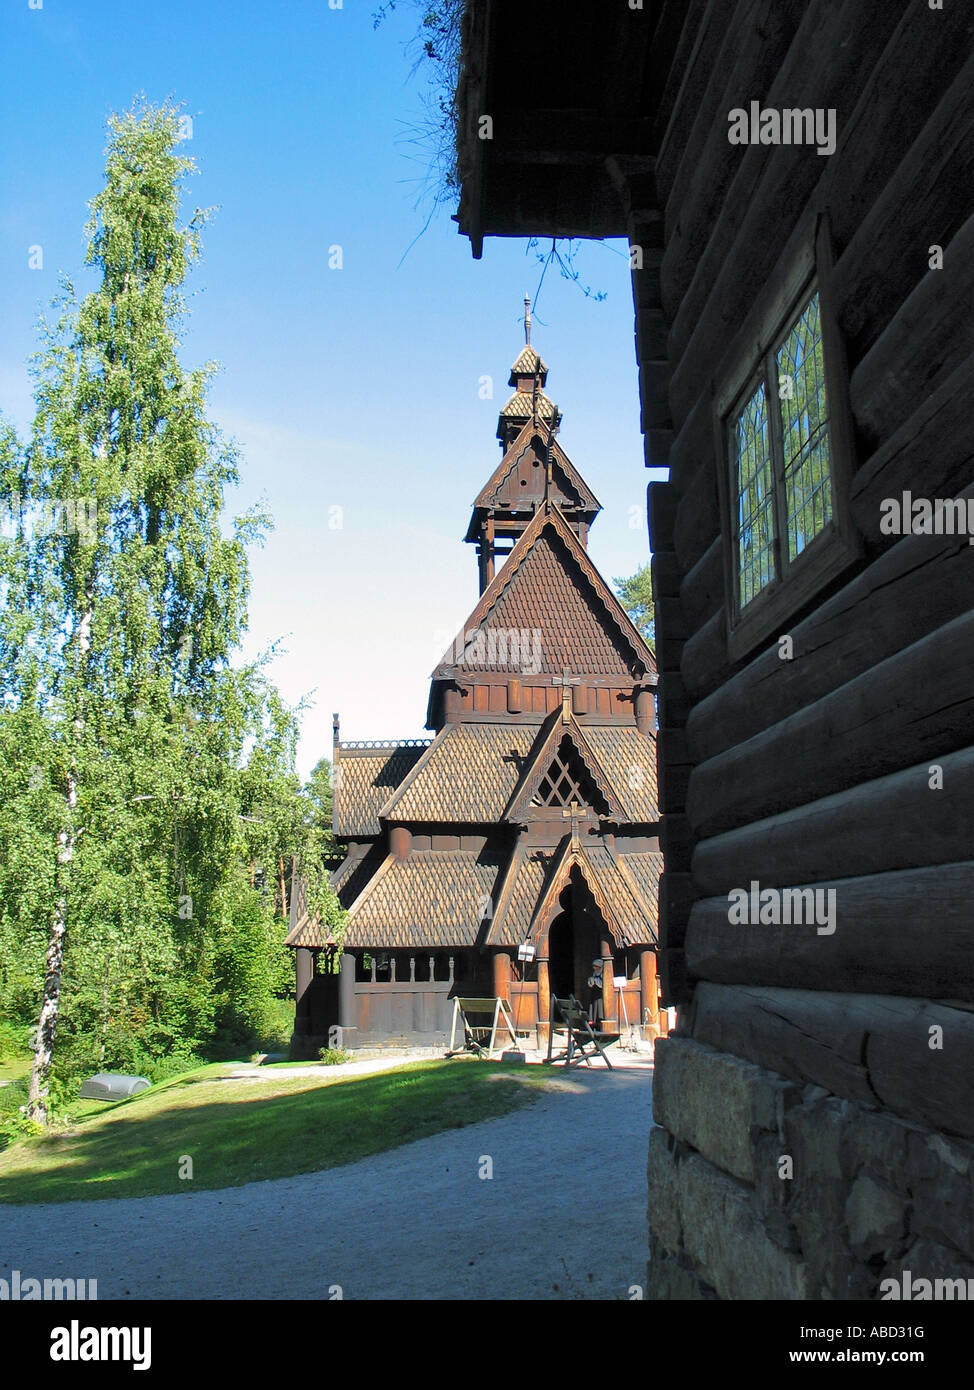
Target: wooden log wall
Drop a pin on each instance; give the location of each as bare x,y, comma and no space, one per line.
850,766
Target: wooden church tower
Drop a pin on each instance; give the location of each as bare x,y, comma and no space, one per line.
530,818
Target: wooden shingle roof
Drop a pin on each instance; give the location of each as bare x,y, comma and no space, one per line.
629,758
430,898
549,586
521,406
624,893
467,774
364,777
529,363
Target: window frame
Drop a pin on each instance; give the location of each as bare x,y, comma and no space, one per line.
751,361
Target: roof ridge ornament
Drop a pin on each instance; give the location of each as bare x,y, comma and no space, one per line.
527,321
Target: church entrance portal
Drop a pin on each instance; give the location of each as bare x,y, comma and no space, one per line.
573,943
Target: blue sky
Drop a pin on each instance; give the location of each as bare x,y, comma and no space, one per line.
353,393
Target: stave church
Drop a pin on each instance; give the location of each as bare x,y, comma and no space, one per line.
518,846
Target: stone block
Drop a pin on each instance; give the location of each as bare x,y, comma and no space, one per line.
875,1218
717,1103
664,1191
724,1237
940,1172
670,1278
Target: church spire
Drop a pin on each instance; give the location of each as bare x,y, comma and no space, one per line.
534,472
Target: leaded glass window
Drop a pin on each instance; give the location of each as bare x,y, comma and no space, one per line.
755,496
804,429
781,468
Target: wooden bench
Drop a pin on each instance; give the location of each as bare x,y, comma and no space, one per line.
569,1017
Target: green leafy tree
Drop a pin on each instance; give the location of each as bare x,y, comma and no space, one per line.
137,599
636,596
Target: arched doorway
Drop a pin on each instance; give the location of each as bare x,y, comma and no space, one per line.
574,941
561,956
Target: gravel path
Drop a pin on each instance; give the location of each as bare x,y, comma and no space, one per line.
568,1189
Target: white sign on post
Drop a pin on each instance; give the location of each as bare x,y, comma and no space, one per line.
525,951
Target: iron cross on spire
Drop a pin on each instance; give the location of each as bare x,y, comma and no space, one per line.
566,682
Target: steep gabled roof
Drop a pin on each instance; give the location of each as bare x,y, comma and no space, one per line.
629,760
553,732
467,774
430,898
527,901
561,464
363,779
549,586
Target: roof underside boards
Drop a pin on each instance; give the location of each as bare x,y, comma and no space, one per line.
552,593
467,775
431,898
364,779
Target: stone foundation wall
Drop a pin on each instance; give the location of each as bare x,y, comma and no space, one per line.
762,1188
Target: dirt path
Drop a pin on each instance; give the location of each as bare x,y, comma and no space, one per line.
564,1216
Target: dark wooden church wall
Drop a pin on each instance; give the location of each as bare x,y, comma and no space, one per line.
815,770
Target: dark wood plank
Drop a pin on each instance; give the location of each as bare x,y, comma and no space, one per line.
867,1048
908,932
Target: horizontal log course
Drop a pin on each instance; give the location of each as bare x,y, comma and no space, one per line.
689,72
697,520
928,338
704,664
672,769
676,842
916,704
654,387
673,702
675,902
675,989
771,189
753,50
661,501
693,445
925,198
872,1049
906,932
916,586
670,618
702,591
935,443
667,575
894,822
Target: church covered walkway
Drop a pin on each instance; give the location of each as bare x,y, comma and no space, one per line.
561,1218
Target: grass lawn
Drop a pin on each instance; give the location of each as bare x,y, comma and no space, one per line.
12,1068
240,1131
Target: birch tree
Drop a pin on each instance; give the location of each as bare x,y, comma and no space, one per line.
138,596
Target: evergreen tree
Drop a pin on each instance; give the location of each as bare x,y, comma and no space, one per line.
636,596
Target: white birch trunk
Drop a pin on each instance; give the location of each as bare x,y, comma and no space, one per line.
51,999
